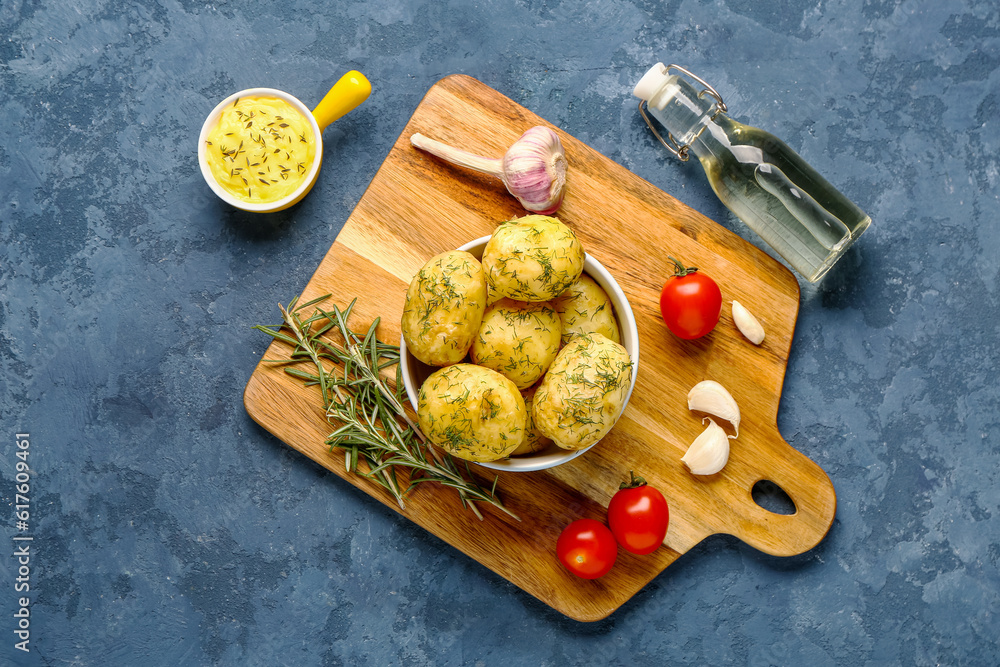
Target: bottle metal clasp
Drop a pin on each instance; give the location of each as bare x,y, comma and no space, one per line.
671,144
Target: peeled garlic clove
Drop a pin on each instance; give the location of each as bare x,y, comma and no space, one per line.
710,397
747,324
709,452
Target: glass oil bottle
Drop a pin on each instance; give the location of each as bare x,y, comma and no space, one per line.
763,181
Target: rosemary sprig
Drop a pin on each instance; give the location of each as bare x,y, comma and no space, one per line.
370,422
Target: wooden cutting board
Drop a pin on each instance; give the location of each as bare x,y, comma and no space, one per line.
418,206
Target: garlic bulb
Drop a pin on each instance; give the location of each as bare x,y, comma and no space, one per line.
533,168
747,324
712,398
709,452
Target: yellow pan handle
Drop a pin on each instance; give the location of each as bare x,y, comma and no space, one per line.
352,89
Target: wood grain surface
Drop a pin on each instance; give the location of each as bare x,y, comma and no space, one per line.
418,206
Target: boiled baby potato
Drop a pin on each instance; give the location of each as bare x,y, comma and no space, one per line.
583,392
444,307
534,258
472,412
534,441
518,339
586,308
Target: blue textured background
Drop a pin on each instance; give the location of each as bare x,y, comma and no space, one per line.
170,529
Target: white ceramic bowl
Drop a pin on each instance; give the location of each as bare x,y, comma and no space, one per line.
415,372
260,207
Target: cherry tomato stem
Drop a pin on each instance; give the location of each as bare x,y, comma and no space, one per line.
680,269
633,481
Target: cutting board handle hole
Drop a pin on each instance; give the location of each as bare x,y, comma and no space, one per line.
772,497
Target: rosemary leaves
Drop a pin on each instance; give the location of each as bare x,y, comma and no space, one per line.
370,424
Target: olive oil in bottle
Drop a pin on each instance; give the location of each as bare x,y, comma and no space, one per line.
755,174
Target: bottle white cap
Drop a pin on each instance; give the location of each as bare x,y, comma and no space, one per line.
651,82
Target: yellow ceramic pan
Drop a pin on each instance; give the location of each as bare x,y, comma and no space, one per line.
351,90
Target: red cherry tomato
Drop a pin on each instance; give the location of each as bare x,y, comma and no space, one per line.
638,516
587,548
690,302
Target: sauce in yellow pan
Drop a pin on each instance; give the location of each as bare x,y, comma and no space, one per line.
261,149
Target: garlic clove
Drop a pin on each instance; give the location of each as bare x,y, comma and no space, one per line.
747,324
709,452
712,398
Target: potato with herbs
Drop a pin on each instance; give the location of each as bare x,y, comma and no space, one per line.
534,258
472,412
518,339
534,441
444,307
586,308
583,392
